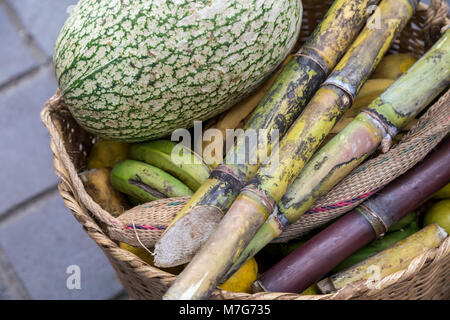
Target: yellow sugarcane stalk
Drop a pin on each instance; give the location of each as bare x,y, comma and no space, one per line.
256,200
387,262
282,104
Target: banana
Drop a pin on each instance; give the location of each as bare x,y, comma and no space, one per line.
393,66
98,186
107,153
443,193
182,166
145,182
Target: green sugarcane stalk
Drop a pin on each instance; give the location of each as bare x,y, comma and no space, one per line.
256,201
283,103
386,115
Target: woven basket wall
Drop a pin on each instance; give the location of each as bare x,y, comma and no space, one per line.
427,277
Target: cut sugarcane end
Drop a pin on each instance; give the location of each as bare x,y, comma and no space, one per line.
428,237
258,287
326,286
442,233
185,237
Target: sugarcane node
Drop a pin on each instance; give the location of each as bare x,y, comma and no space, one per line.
280,218
350,91
389,129
378,224
224,173
262,196
386,143
321,65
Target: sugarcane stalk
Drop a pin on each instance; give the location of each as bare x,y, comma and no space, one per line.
256,201
282,104
327,249
388,261
390,112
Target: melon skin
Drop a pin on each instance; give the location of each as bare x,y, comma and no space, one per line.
136,70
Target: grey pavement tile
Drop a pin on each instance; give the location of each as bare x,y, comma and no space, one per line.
14,55
26,161
44,241
43,19
11,286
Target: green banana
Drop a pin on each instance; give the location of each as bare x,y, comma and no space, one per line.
377,246
145,182
181,165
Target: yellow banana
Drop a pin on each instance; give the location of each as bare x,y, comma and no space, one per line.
98,186
393,66
107,153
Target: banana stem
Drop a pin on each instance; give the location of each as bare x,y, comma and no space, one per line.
393,109
303,138
282,104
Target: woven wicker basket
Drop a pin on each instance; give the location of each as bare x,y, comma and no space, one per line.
428,275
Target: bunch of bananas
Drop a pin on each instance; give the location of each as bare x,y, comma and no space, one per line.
141,172
159,169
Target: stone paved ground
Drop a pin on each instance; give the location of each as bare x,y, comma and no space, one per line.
39,237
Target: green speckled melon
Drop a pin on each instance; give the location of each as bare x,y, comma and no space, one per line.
138,69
